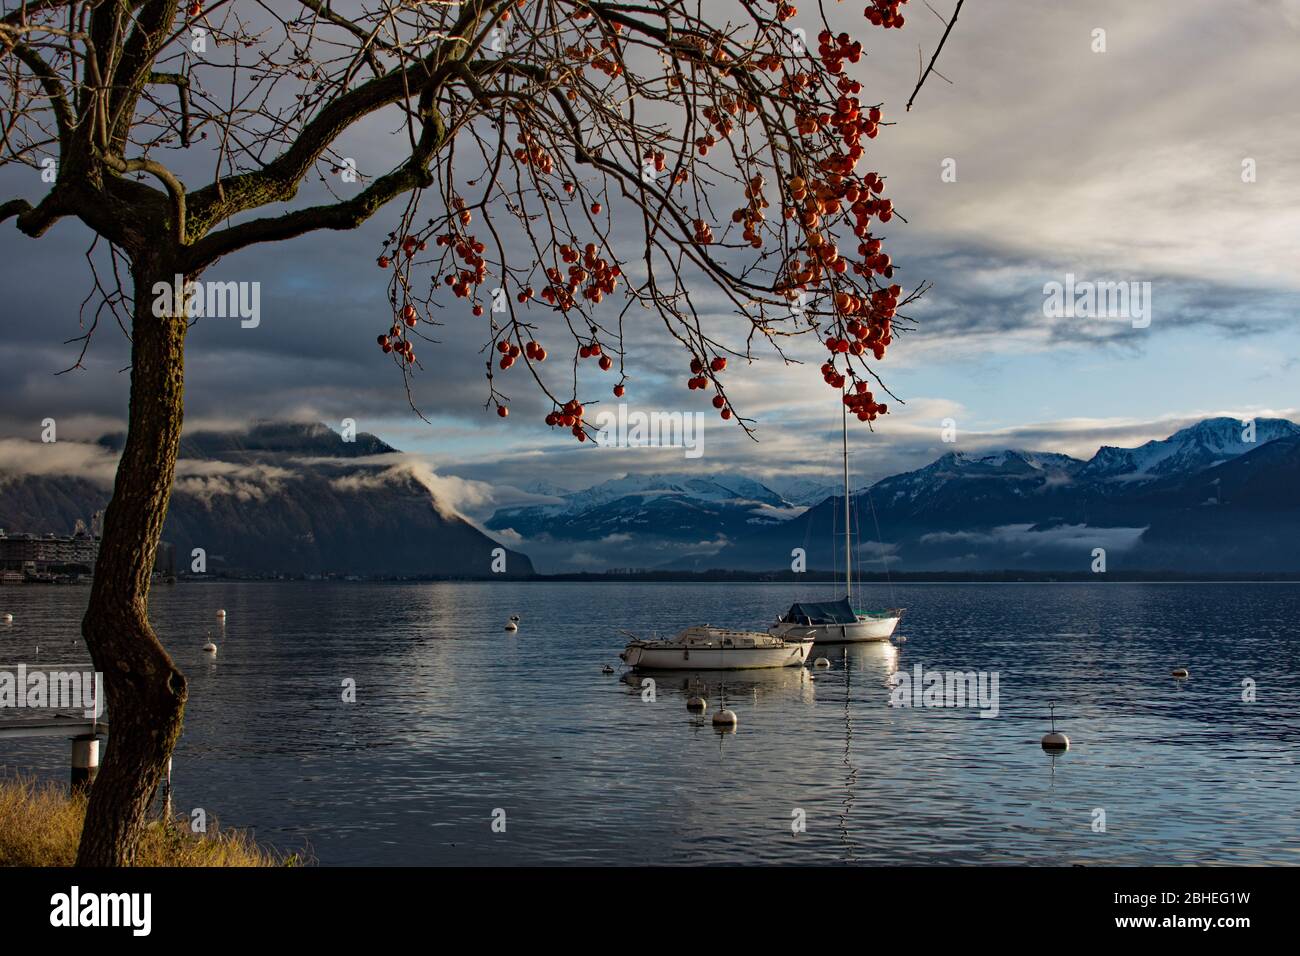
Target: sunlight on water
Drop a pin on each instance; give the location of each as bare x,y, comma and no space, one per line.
455,718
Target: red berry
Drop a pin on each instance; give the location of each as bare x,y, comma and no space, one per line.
502,411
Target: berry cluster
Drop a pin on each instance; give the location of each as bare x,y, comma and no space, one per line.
752,214
884,13
594,351
699,380
861,403
474,272
587,270
531,153
834,50
570,417
509,352
393,342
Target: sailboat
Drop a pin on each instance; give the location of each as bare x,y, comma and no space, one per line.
838,622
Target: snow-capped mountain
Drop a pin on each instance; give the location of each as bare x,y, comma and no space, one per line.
804,491
1205,498
1195,448
664,505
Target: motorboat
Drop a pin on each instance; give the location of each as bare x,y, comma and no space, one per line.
707,648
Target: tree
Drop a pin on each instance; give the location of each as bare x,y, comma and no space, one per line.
726,147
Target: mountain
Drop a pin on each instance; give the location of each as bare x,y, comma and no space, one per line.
1195,448
670,506
1202,499
804,491
284,498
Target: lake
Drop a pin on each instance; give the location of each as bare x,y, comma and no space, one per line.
455,719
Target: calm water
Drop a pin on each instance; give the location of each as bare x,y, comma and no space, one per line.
455,718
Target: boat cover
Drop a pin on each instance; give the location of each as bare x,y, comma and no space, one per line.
823,612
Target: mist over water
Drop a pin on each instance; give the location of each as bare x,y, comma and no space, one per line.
454,718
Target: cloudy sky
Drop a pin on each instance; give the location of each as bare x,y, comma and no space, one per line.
1122,165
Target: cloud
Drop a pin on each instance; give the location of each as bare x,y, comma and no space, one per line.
1079,538
19,457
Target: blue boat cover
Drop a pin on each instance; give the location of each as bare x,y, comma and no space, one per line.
824,612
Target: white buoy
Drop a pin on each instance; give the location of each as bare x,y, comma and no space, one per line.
607,669
8,618
697,703
902,639
511,626
821,662
1181,673
1055,741
724,718
221,614
210,648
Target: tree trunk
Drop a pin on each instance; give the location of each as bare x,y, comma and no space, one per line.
144,689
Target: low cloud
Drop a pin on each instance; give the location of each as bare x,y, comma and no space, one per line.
19,457
1073,537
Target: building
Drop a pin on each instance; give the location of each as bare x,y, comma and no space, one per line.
36,554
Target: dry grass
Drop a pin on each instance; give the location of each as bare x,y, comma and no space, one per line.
40,825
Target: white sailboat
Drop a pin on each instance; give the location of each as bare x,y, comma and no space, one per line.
705,648
838,622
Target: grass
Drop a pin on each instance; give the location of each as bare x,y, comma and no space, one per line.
40,825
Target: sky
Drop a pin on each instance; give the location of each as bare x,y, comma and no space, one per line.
1172,158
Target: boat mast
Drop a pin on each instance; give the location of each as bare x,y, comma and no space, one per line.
848,541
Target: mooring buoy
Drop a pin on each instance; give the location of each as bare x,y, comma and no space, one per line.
8,618
210,648
724,718
607,669
697,704
821,662
1055,741
1181,673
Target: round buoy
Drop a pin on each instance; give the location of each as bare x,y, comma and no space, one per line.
902,639
607,669
698,704
1181,673
8,618
221,614
821,662
210,648
724,718
511,626
1056,741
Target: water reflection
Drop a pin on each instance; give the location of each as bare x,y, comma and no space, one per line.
452,718
727,688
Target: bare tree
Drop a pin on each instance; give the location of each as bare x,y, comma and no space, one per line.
729,147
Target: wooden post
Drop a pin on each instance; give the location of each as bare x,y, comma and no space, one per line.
167,792
85,762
